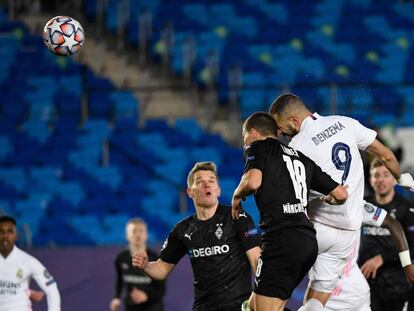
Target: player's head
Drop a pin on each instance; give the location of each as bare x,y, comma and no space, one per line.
203,185
259,125
8,234
289,111
381,179
136,232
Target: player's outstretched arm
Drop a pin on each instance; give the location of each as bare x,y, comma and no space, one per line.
249,183
387,156
374,216
337,196
377,149
158,270
398,235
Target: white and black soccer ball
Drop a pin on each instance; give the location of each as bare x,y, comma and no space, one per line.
63,35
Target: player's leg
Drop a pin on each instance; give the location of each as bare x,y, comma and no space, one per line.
335,248
286,258
352,292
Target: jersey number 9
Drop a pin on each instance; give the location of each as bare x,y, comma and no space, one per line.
342,163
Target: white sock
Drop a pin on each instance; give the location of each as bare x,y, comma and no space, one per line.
312,305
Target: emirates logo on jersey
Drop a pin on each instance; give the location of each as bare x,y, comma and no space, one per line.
219,231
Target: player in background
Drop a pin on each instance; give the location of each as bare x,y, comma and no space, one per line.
334,143
379,257
222,250
352,292
17,268
143,293
280,178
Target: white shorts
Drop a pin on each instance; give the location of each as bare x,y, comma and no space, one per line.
351,294
335,247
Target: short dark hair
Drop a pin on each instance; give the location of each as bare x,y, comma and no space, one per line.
201,166
5,218
279,104
261,122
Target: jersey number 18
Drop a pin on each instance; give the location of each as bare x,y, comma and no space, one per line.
298,175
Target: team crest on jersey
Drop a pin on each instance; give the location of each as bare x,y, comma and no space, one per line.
219,231
369,207
124,266
19,274
46,274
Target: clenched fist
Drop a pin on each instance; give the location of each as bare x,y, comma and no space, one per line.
140,260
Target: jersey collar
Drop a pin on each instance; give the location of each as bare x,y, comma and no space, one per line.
308,120
12,253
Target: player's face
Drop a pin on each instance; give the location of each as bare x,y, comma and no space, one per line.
382,180
137,234
205,190
8,237
288,126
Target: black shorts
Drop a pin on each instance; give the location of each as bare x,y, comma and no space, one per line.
287,256
230,307
217,305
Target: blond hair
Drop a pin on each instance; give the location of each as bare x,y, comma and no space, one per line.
136,221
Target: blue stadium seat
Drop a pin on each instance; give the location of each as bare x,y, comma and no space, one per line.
52,158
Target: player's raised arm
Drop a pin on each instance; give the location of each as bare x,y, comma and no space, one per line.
377,149
385,155
249,183
251,180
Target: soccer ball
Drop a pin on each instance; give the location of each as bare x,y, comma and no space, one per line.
63,35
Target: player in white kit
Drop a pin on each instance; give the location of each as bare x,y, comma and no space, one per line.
16,270
334,144
352,292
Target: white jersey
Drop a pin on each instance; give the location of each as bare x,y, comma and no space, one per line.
16,271
352,290
333,143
